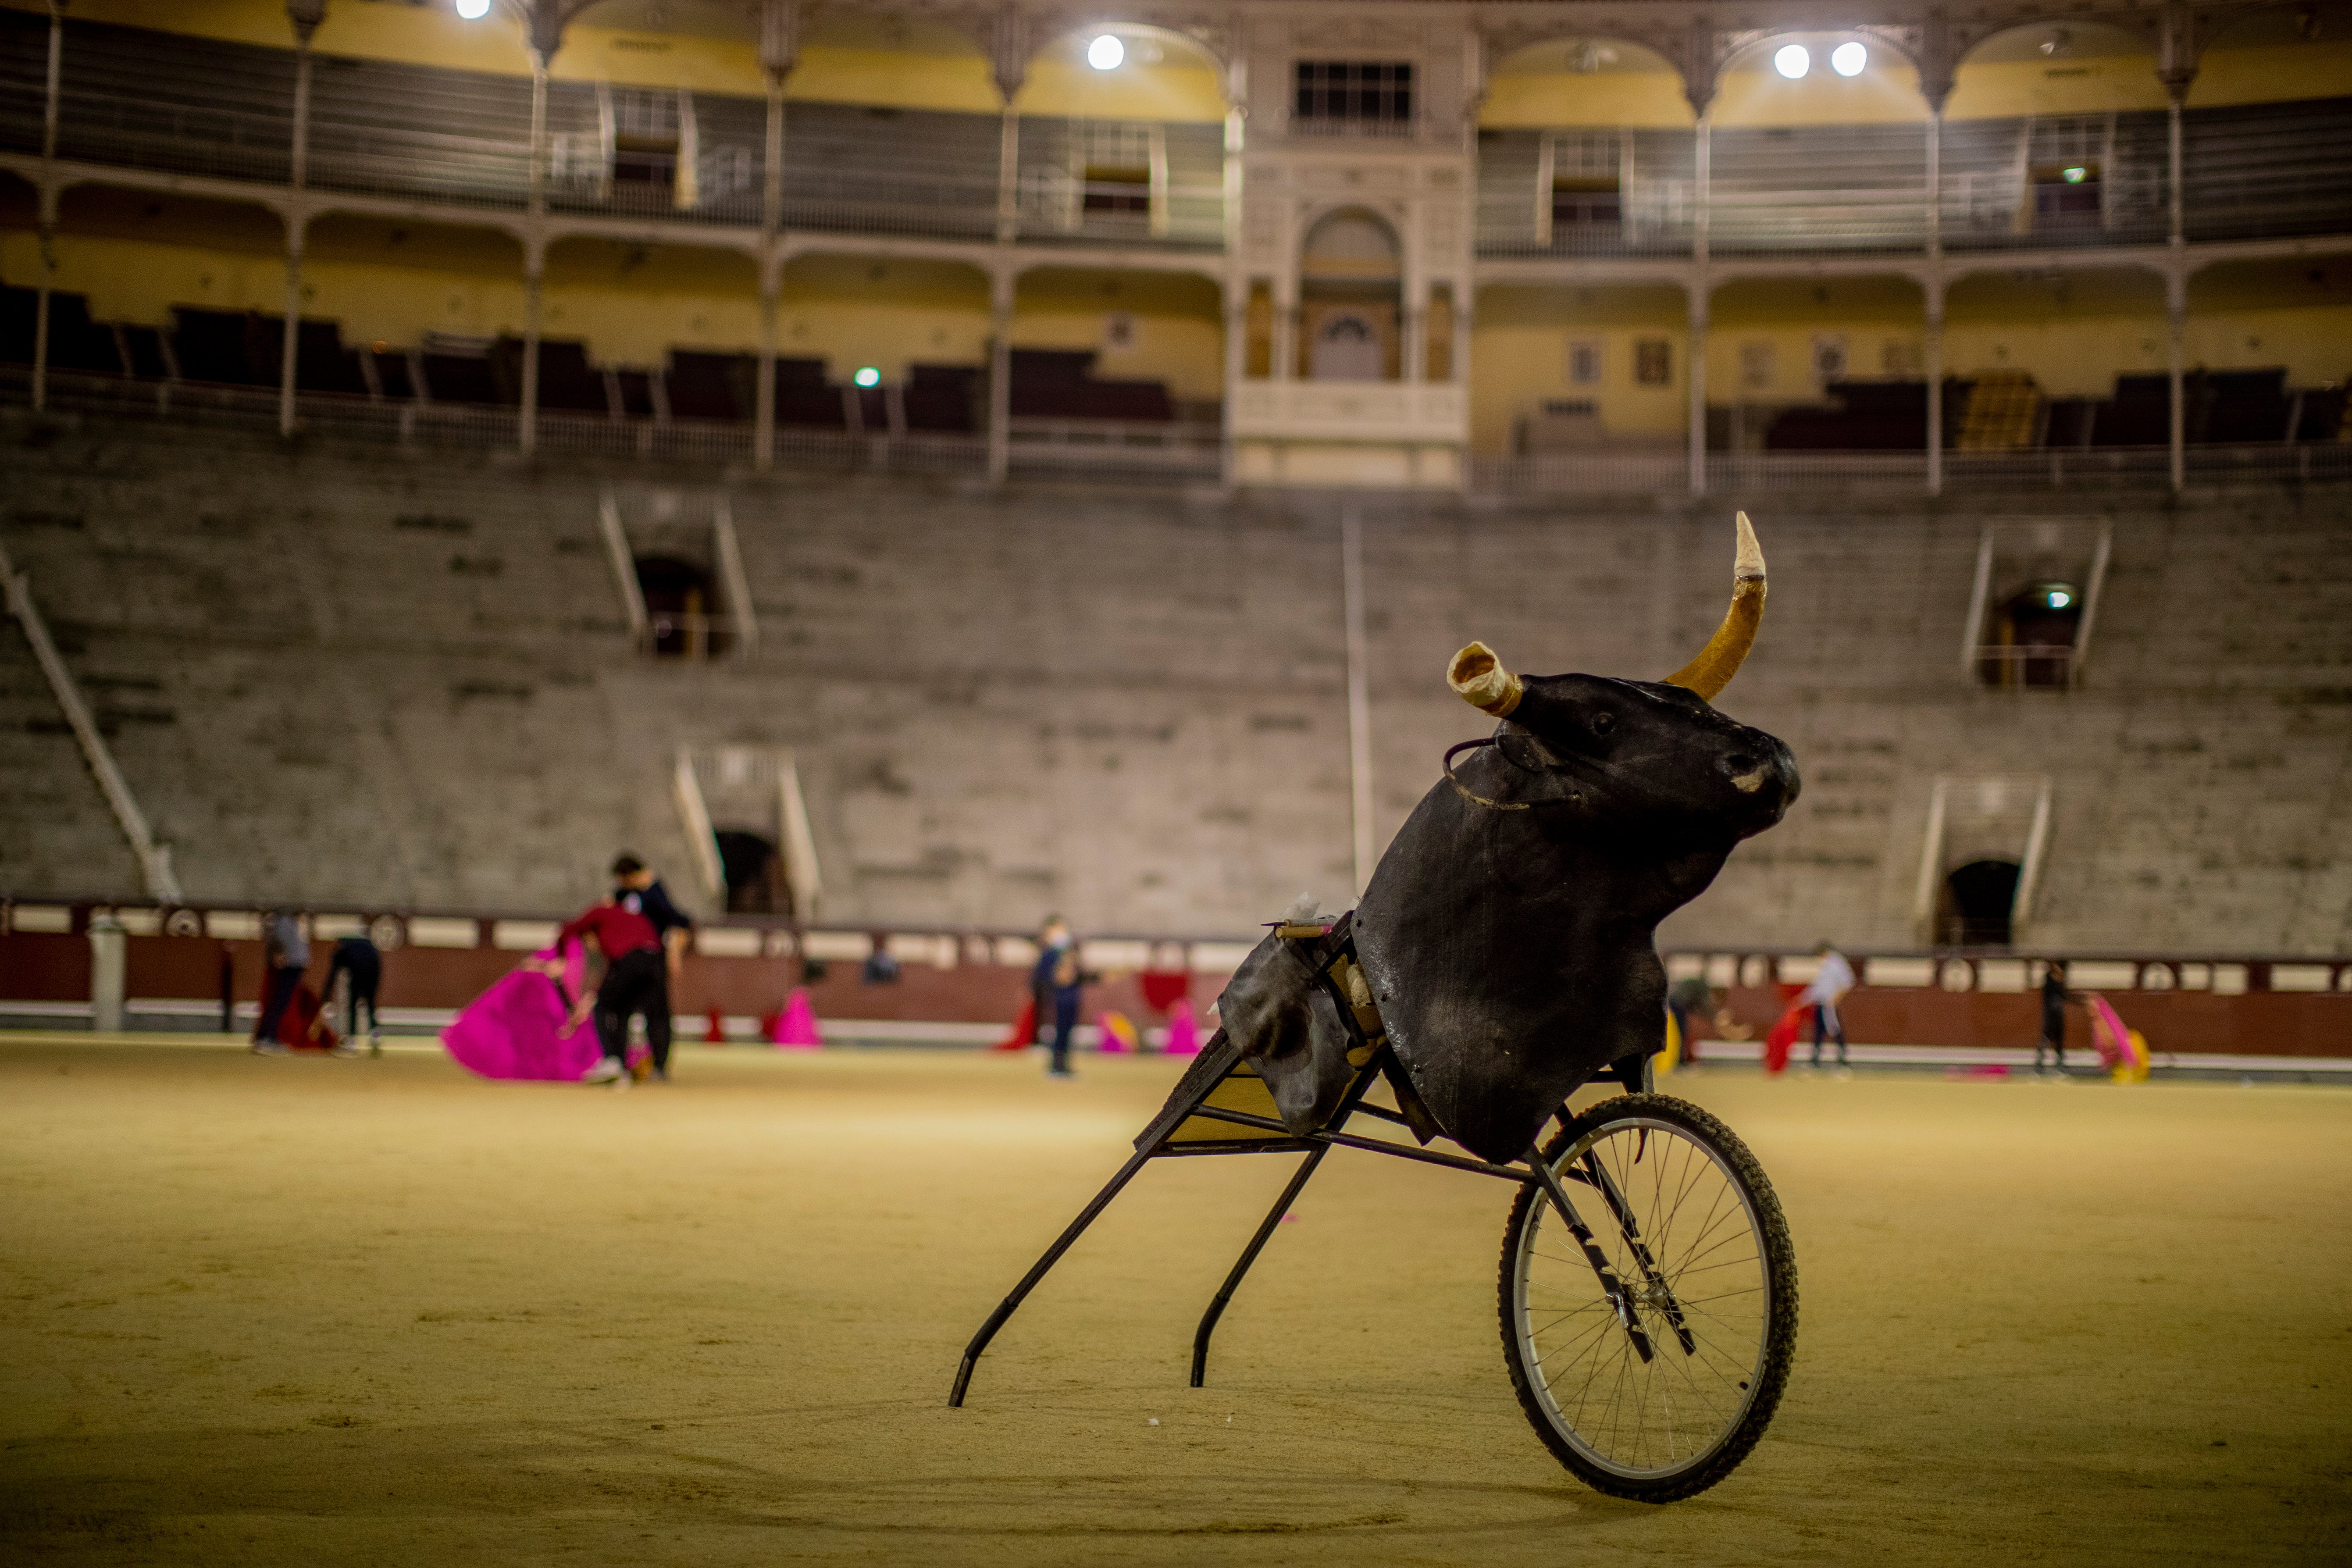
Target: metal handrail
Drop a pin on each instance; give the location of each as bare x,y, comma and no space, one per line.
1762,960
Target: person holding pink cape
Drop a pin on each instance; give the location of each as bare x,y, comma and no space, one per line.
523,1026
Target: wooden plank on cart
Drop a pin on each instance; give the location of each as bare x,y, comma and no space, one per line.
1218,1076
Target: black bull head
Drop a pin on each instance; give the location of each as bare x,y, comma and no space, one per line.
1508,935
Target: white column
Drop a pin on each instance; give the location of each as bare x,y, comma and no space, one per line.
41,304
1694,369
298,166
2172,158
289,340
1936,181
1000,375
772,194
2176,313
48,196
537,196
533,302
1934,357
56,66
1702,177
1008,175
763,416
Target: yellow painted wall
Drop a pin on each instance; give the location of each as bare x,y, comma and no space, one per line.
950,77
1518,357
854,311
632,304
2082,356
1178,331
1188,354
1888,92
1170,91
893,80
2074,348
2272,73
1636,99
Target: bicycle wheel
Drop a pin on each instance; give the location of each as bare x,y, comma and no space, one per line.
1703,1279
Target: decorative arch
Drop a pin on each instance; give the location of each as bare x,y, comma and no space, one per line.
1351,272
1603,55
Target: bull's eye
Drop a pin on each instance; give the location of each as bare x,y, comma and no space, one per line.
1603,722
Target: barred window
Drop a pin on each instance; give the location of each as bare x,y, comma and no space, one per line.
1354,91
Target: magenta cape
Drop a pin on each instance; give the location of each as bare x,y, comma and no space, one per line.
515,1029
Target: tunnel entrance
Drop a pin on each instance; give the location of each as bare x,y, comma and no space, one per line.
754,872
1977,899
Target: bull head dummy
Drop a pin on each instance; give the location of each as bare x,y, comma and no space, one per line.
1509,932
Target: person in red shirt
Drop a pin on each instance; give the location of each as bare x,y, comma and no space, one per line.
636,981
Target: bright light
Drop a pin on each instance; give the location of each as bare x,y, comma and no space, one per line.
2059,599
473,10
867,376
2075,176
1847,59
1106,53
1793,61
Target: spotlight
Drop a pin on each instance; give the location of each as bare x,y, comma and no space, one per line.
1847,59
867,376
2075,176
473,10
1793,61
2059,599
1106,53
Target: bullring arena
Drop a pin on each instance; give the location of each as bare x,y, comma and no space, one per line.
843,822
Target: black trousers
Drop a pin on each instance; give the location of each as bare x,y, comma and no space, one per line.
1827,1024
2053,1037
635,983
364,979
283,979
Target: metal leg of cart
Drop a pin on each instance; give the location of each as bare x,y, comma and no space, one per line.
1061,1244
1249,1256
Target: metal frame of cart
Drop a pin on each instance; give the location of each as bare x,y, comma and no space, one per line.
1223,1107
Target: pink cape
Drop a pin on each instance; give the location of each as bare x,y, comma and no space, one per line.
515,1029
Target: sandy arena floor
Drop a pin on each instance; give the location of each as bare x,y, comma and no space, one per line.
374,1311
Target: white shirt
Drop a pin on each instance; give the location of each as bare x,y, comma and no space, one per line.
1832,981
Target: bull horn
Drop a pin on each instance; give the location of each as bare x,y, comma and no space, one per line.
1479,678
1720,659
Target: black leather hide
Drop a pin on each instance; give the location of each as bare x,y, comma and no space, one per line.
1513,953
1288,1027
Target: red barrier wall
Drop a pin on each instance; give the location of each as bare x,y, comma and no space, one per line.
46,967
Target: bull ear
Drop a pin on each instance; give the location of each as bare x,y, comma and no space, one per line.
1479,678
1720,659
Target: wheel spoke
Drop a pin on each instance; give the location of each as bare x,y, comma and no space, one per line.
1683,1219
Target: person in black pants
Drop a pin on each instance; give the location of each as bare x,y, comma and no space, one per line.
286,955
635,983
638,890
2053,1017
356,957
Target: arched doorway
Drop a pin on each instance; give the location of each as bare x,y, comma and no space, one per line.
754,872
1350,278
1977,903
679,596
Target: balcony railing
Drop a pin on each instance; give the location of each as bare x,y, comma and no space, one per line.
171,104
2248,172
1602,472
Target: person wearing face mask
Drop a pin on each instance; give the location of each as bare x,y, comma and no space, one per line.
1056,982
